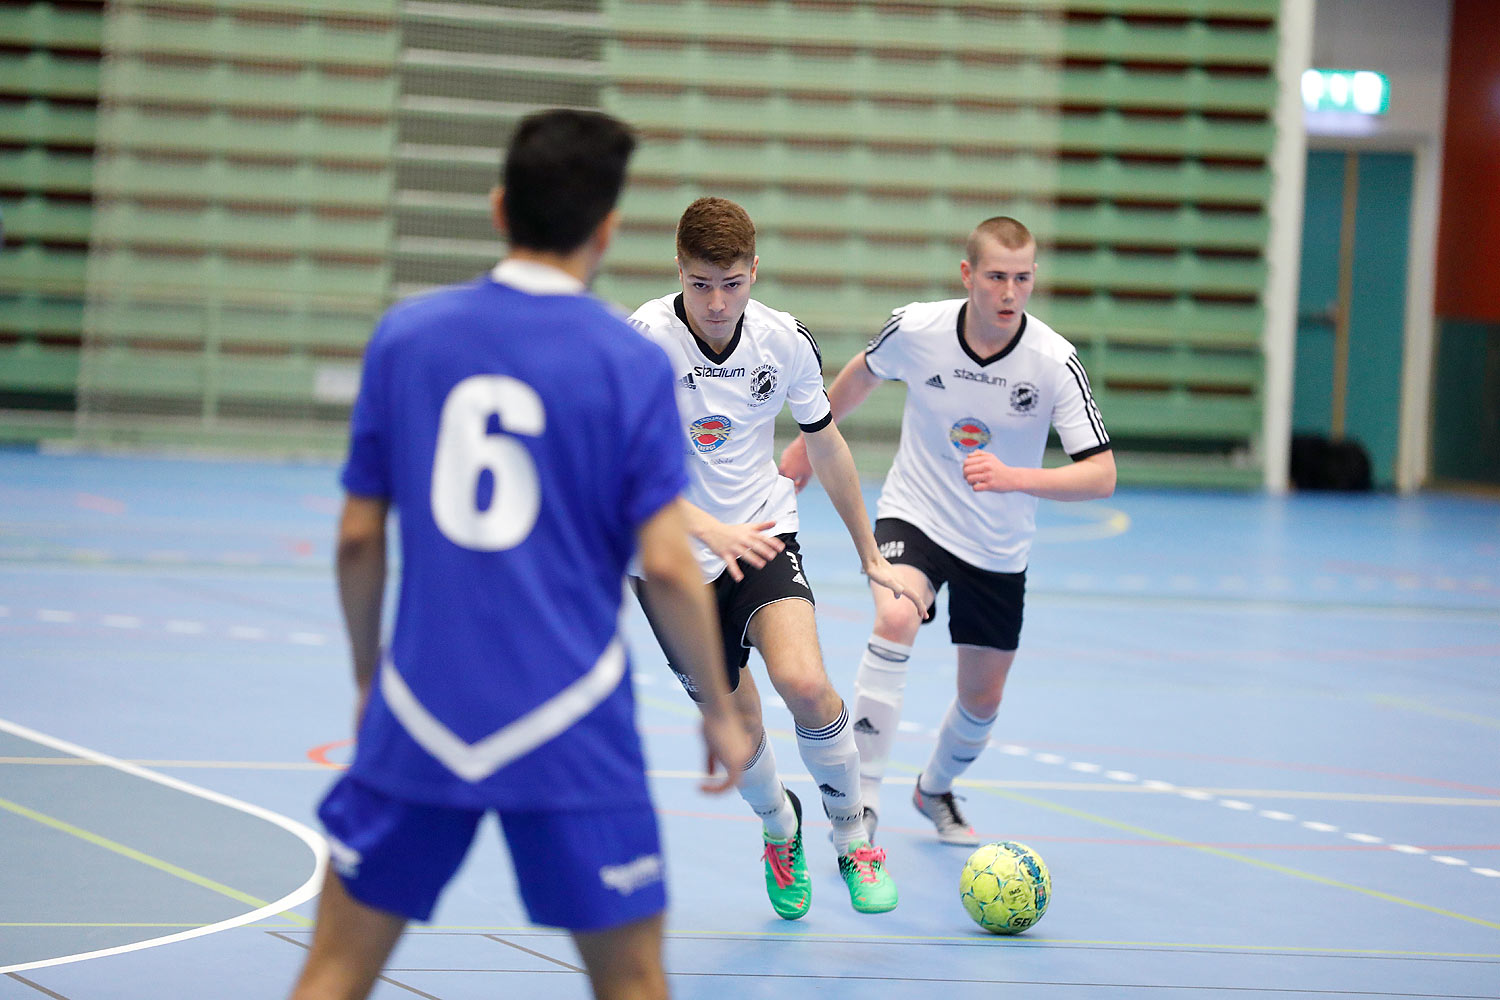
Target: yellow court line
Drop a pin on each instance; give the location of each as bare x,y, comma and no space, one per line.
792,936
249,765
1241,858
142,857
1037,786
1441,713
120,923
1114,522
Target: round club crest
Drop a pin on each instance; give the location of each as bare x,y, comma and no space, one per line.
710,432
1023,397
969,435
763,384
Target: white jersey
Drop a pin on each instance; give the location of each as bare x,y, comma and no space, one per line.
957,402
728,405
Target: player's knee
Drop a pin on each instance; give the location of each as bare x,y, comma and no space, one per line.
897,621
809,697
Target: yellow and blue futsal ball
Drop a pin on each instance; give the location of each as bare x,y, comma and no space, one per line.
1005,887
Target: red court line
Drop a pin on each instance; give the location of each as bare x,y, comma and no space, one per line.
319,754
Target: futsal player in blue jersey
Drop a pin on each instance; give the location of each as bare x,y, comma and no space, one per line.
528,439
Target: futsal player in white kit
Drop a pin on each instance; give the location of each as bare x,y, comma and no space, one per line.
736,364
984,381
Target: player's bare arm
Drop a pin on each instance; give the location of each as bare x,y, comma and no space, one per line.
687,620
850,388
360,561
1091,478
834,465
733,542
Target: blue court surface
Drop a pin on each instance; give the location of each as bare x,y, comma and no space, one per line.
1256,739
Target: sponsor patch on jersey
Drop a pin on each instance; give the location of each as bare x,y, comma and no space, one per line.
687,381
710,432
711,371
969,376
936,382
1023,397
969,434
763,384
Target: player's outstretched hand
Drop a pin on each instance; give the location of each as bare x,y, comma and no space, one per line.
984,472
733,542
881,572
728,743
794,464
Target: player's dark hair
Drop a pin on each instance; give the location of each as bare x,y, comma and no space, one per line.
715,230
562,175
1004,230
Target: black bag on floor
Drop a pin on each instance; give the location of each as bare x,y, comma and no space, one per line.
1321,464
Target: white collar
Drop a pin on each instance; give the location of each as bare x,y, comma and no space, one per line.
535,278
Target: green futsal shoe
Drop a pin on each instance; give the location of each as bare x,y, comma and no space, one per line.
786,871
871,889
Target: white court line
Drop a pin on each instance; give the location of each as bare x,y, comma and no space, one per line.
1238,805
300,895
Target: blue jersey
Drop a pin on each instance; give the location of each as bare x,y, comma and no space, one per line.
522,437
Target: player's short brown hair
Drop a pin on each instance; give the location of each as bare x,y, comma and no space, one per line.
1009,233
715,230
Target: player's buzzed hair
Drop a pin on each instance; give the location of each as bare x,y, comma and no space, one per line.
563,174
1009,233
715,230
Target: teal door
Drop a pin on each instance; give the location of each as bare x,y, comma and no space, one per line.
1352,301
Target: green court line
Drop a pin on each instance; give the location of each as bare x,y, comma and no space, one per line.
1241,858
144,858
1392,701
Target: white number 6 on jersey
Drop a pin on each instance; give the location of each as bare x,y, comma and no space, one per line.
465,451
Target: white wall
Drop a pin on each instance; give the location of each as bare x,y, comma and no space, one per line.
1407,40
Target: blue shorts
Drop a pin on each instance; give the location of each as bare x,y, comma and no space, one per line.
583,870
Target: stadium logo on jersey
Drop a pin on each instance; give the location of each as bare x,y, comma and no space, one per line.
969,376
936,382
708,433
1023,397
969,435
687,381
709,371
762,384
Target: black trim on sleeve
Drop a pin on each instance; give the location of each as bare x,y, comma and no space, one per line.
814,428
1096,421
891,325
1098,449
808,334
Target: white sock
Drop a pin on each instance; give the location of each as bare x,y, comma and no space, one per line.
878,691
761,786
959,742
833,761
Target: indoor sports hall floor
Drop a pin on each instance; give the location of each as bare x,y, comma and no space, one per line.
1257,741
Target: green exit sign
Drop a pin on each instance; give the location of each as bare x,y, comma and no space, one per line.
1361,91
